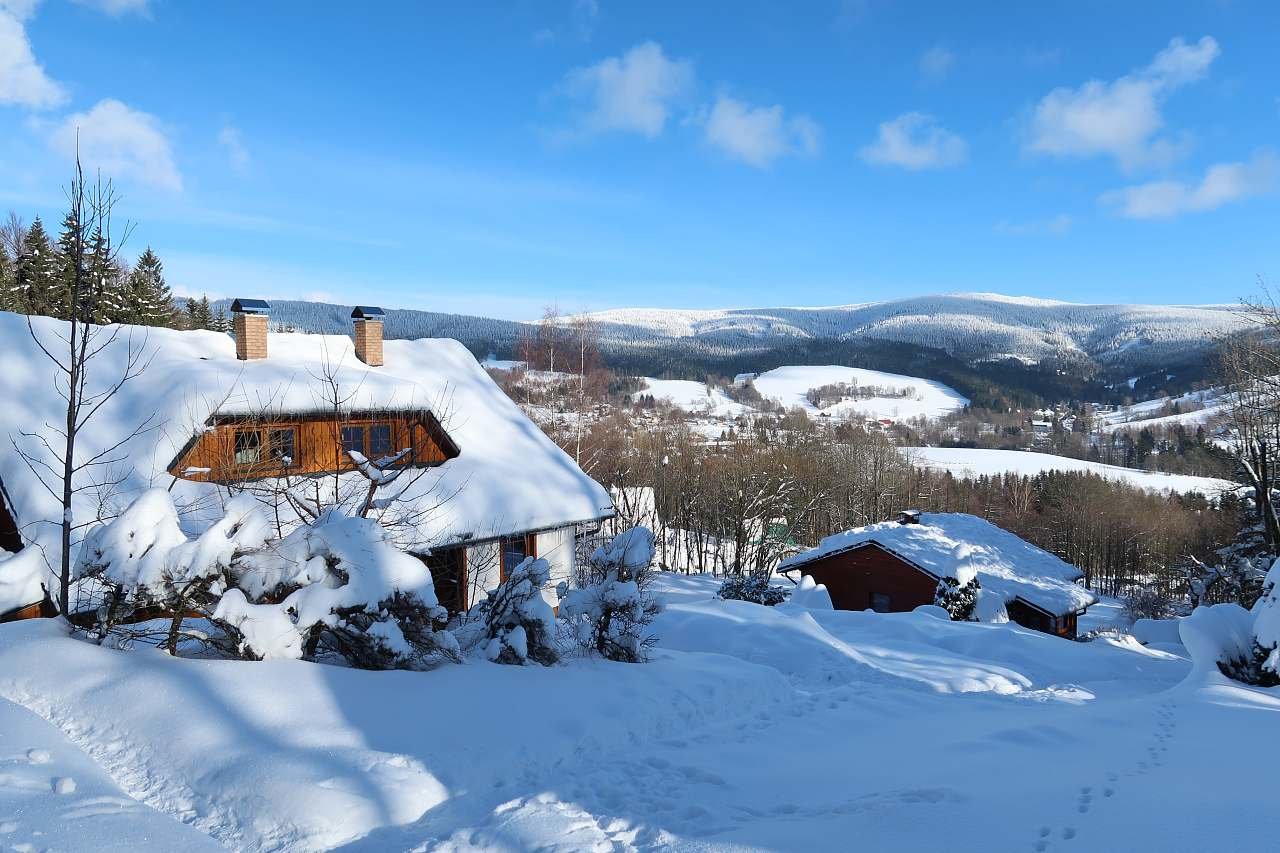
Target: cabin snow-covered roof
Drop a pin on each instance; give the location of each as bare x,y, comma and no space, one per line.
941,542
509,477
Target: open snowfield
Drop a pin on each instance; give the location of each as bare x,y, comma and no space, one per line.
969,462
752,728
928,399
693,397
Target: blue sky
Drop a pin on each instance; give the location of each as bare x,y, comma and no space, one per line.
494,158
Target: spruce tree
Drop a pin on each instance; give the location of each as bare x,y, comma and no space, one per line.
220,323
38,275
191,310
8,301
204,314
149,301
105,300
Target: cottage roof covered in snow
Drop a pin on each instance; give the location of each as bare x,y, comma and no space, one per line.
507,478
944,542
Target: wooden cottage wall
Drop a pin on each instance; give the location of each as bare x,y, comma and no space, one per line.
852,576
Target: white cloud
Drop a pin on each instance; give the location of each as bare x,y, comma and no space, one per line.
936,63
122,142
1057,226
20,9
119,8
759,135
1120,118
632,92
23,81
229,138
915,141
1222,184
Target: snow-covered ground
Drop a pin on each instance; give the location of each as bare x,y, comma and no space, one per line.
693,397
1212,401
925,398
752,728
976,462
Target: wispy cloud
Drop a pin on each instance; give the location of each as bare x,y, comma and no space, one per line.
232,142
915,141
23,81
631,93
1222,184
936,63
1056,226
1120,118
759,135
119,8
122,142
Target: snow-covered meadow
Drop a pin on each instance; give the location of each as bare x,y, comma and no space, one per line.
751,728
970,462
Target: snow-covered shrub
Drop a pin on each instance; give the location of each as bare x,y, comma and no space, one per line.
1147,602
753,588
142,565
610,615
810,595
348,593
517,624
1244,645
960,592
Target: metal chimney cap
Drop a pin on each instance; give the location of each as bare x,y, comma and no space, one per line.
368,312
250,306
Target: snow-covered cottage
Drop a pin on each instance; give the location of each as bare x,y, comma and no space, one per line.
291,415
895,566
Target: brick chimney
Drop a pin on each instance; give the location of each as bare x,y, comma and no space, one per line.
249,322
368,334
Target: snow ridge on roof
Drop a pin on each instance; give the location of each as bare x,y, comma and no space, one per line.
1006,564
509,477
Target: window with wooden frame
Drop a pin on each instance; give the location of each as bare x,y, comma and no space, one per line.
282,446
513,551
248,449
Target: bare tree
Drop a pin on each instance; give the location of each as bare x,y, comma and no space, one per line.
53,454
13,231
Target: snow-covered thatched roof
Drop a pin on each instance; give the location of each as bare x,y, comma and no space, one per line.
508,477
947,543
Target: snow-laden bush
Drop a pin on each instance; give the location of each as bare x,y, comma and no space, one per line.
142,565
517,624
1243,644
332,589
347,592
959,592
960,600
611,613
753,588
1148,602
810,595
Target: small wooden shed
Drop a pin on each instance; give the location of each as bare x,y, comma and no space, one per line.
895,567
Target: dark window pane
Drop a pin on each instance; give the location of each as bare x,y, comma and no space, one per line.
880,602
281,447
248,446
353,438
380,441
514,550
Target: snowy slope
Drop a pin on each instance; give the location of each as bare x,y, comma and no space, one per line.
1214,402
976,462
693,396
788,385
752,728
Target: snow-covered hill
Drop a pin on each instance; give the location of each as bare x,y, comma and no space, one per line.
974,327
965,462
905,397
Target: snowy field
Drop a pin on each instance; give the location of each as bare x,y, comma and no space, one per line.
1147,412
693,397
752,728
928,399
971,462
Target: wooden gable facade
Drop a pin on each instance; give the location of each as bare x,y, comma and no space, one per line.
870,576
238,448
